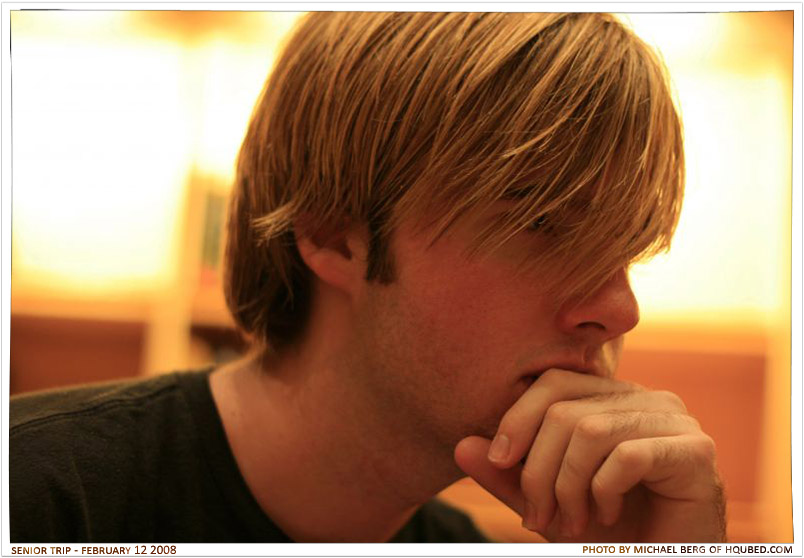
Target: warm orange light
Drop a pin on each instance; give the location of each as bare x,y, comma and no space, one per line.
109,120
728,260
728,256
100,157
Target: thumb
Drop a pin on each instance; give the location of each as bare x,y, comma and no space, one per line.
471,455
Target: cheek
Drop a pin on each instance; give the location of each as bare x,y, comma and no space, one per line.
450,339
469,311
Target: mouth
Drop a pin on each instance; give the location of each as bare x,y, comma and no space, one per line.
530,378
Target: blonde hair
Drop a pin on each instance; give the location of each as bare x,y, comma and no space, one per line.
376,118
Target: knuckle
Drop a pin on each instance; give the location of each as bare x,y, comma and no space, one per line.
705,447
593,427
672,400
628,455
691,421
559,413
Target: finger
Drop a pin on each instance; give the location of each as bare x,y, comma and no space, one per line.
471,455
543,462
668,466
522,421
593,439
540,474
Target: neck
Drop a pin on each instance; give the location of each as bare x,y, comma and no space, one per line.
314,455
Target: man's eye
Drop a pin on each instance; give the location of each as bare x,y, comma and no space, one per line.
538,224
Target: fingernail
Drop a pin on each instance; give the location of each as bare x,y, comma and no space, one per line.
499,448
529,520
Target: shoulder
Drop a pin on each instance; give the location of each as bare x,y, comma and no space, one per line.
87,422
92,413
35,410
79,454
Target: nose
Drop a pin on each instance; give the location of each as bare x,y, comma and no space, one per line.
608,313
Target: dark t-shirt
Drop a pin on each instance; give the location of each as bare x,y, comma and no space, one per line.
148,461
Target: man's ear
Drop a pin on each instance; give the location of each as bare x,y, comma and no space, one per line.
336,254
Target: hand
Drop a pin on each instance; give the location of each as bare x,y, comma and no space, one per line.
605,461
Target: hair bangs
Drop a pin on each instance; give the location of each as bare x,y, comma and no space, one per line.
628,211
593,151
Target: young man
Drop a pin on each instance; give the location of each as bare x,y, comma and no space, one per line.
428,246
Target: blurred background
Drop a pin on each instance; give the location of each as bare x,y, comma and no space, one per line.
125,131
